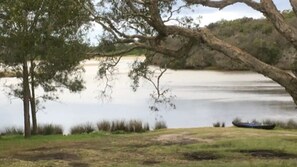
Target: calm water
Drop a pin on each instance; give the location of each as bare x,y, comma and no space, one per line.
202,98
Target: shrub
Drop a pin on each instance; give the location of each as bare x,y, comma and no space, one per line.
50,129
82,128
104,126
160,125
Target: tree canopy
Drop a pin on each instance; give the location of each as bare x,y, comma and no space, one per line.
42,42
147,24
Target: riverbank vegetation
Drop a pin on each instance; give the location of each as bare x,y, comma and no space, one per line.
115,126
205,147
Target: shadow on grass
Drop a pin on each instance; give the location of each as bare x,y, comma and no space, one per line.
150,162
78,164
269,154
47,156
200,156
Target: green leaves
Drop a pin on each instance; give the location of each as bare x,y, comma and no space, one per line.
49,35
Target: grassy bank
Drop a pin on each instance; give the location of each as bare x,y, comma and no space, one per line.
171,147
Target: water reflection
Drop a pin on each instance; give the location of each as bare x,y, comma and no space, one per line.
203,97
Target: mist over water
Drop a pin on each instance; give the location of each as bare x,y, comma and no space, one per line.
202,98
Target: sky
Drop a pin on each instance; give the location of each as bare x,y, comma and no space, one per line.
210,15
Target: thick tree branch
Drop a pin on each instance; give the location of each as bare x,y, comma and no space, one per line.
276,74
277,19
224,3
294,6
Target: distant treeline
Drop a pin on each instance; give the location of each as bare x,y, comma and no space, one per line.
256,36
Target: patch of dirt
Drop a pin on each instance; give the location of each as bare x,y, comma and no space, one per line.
200,156
47,156
150,162
78,164
182,139
42,149
269,154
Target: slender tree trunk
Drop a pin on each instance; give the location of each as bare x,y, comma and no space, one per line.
26,100
33,100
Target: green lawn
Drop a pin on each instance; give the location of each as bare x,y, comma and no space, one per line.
173,147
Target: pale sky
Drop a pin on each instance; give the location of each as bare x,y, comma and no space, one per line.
211,15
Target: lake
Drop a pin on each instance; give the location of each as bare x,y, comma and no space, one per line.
202,98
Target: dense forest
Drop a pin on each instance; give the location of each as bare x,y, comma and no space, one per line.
256,36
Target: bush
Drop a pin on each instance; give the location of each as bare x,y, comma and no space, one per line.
82,128
49,129
160,125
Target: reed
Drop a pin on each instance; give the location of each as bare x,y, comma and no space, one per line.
104,126
50,129
82,128
290,124
160,125
12,131
119,125
135,126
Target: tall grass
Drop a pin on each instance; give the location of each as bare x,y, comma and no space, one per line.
160,125
82,128
123,126
104,126
119,125
135,126
12,131
49,129
290,124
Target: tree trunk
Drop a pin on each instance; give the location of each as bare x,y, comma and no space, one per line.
26,99
33,100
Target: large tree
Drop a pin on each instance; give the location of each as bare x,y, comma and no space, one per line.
41,41
147,24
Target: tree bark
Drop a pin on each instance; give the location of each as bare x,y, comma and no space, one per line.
277,19
294,6
26,99
33,100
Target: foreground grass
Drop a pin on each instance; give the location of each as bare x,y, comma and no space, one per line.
173,147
